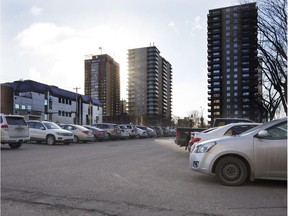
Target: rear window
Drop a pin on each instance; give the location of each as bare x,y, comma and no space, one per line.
12,120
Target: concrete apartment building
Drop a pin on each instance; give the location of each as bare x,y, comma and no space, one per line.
234,81
39,101
149,86
102,81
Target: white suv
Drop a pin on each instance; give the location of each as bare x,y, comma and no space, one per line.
49,132
14,130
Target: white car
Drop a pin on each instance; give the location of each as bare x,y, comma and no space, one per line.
141,133
49,132
132,130
124,132
259,153
14,130
231,129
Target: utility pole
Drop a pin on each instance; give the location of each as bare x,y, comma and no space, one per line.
77,111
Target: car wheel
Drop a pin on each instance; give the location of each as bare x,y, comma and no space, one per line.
15,145
75,139
50,140
231,171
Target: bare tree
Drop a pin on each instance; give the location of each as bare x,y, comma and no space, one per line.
272,46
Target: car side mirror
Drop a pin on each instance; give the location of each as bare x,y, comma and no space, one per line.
262,134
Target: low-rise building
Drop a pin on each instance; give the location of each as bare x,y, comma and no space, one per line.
36,100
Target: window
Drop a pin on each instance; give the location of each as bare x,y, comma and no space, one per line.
278,131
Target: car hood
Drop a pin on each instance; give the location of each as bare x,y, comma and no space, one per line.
224,138
60,131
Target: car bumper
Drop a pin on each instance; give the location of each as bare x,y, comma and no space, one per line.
7,139
201,162
64,138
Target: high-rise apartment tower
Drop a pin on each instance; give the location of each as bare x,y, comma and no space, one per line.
234,81
149,86
102,81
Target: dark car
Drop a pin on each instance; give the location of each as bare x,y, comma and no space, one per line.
99,134
113,130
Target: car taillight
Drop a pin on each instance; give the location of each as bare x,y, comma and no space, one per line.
196,139
4,127
86,132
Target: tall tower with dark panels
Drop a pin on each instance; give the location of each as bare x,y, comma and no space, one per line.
233,75
102,81
149,86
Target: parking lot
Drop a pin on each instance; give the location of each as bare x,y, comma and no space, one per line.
127,177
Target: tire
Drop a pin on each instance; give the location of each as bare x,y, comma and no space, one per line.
50,140
231,171
15,145
75,139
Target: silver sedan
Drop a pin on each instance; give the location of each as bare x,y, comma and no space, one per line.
259,153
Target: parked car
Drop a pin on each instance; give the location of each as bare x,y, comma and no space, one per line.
259,153
226,130
141,133
132,130
158,130
224,121
14,130
151,132
49,132
99,134
183,135
113,130
124,132
80,133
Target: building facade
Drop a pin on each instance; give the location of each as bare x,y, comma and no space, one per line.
234,81
102,81
149,86
38,101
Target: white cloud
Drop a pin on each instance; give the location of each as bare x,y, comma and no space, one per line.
59,51
34,74
36,11
173,26
196,24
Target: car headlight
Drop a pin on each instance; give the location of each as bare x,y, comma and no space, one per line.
202,148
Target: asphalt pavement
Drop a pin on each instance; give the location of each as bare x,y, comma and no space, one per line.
140,177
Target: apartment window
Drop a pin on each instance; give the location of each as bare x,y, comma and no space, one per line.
17,106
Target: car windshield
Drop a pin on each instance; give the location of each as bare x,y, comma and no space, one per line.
51,125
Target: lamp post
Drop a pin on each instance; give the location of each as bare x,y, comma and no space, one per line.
202,118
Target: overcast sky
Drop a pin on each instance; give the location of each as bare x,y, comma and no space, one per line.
48,41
